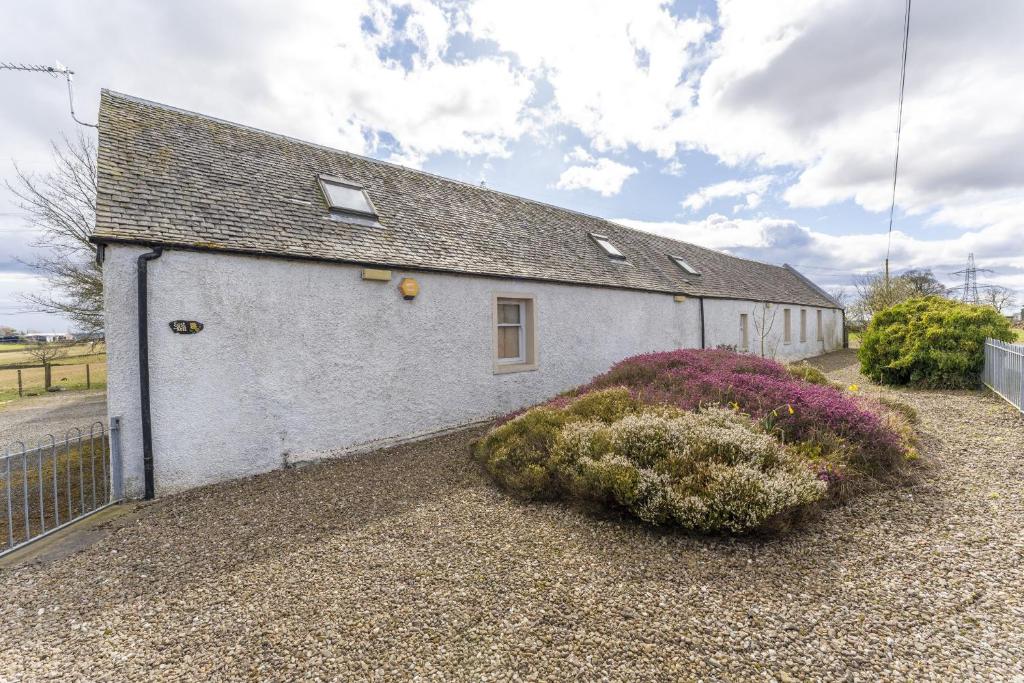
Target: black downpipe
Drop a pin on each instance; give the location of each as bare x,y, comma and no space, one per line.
701,299
147,425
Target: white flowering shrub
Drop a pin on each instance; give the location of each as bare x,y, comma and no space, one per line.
708,471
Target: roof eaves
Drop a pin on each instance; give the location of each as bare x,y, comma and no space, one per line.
207,247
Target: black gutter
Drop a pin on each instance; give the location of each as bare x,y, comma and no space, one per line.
701,300
147,424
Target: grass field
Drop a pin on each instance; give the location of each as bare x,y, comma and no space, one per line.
79,353
68,373
69,377
5,348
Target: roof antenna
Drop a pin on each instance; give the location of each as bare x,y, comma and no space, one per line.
54,71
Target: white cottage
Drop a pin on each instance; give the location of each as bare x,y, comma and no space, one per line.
297,301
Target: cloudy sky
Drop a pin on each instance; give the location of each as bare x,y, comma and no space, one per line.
765,129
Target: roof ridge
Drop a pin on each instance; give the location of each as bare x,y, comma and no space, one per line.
485,189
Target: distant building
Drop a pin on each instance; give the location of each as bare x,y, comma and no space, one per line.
47,336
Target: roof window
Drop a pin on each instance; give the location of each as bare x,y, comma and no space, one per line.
347,198
682,263
608,247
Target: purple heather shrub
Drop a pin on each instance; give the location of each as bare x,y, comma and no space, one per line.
692,378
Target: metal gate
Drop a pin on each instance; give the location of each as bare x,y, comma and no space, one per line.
1004,371
57,481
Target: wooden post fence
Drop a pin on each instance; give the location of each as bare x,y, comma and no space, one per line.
88,382
19,384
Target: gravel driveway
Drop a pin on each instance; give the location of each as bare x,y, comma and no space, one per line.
30,419
408,564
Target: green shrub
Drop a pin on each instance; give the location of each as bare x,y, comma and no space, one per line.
930,342
517,453
708,471
608,405
808,373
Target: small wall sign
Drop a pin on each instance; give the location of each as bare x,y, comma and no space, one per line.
186,326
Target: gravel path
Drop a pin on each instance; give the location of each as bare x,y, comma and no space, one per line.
32,418
408,564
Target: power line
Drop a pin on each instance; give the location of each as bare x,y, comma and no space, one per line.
54,71
899,130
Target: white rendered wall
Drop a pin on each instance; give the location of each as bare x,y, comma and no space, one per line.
298,359
722,320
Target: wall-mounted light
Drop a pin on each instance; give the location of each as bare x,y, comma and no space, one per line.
679,298
409,288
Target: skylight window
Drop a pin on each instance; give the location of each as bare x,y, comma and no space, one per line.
608,247
681,262
347,198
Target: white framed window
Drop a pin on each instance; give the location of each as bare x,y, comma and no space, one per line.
346,198
744,332
515,347
685,265
608,247
787,326
821,330
803,325
511,331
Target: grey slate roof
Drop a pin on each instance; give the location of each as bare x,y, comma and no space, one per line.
176,178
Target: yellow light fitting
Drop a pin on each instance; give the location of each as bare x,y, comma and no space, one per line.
409,288
377,274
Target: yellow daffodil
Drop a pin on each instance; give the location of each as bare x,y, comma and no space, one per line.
791,411
853,387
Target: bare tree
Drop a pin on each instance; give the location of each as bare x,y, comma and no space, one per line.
999,298
840,294
62,204
47,352
763,325
873,293
921,282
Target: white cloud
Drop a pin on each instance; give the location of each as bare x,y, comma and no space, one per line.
814,85
577,153
618,71
603,175
835,259
428,105
751,190
674,167
806,87
313,70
